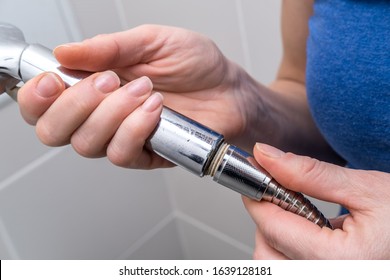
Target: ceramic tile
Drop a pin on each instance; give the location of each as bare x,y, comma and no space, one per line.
211,203
201,245
96,16
262,27
18,143
164,245
40,20
216,19
78,208
4,255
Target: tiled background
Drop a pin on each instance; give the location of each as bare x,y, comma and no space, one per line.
56,205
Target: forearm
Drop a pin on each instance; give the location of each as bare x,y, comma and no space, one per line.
278,114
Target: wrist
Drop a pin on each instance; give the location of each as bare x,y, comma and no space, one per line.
251,108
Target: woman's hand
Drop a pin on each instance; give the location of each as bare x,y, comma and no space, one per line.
98,117
362,234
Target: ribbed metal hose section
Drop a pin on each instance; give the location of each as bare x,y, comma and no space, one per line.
294,202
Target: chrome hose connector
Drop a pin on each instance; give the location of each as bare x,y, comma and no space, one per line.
184,142
239,171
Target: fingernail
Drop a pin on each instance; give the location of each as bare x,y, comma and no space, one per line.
139,86
66,46
106,82
69,45
48,86
153,102
269,151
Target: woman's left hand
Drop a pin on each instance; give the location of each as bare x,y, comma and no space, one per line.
362,234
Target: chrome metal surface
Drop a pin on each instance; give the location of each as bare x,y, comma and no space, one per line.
184,142
294,202
236,170
240,172
12,45
7,82
37,59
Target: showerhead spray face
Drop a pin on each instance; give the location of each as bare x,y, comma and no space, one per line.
177,138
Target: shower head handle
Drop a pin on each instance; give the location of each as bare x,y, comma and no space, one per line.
20,61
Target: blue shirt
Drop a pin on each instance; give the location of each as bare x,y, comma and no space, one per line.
348,79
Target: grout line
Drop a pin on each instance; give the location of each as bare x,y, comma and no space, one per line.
214,232
7,240
182,239
120,10
127,254
29,168
244,36
147,236
171,196
175,208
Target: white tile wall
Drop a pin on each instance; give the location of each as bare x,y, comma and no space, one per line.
95,17
70,207
54,204
217,19
19,145
263,39
40,20
212,204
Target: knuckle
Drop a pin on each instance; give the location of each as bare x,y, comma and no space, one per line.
118,158
48,135
82,146
310,168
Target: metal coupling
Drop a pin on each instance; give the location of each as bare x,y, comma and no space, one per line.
184,142
239,171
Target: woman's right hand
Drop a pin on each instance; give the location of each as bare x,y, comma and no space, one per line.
100,118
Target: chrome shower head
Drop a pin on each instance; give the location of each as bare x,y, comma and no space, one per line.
21,61
12,45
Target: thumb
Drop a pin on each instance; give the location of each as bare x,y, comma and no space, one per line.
111,51
286,232
304,174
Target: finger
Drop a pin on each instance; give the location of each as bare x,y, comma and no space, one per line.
290,234
91,137
126,148
263,251
114,50
307,175
73,107
38,94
